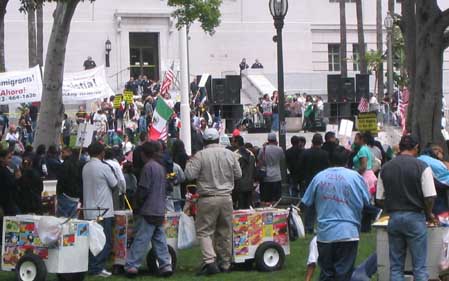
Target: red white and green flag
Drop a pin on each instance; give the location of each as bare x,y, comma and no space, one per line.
161,116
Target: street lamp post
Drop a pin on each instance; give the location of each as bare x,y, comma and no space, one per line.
108,48
389,23
278,9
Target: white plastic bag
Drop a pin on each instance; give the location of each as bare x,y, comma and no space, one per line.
298,222
49,230
186,232
97,238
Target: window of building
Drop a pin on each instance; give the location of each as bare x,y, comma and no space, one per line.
333,51
356,57
336,1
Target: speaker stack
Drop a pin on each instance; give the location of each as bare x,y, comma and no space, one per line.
344,95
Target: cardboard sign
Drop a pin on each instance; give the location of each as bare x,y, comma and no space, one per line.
346,127
117,101
367,122
128,97
85,135
203,80
332,128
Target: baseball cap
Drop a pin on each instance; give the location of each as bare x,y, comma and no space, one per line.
210,134
272,137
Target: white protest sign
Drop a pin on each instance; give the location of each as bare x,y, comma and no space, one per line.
85,135
21,86
332,128
346,127
203,80
85,85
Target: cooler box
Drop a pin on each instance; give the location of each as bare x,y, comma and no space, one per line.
20,235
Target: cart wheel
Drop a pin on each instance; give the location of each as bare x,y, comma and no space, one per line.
78,276
31,268
153,264
269,257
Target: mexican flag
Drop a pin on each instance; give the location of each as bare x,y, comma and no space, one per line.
162,114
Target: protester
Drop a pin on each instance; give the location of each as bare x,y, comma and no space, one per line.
243,190
150,198
98,184
406,190
215,169
363,162
69,186
243,65
114,165
272,156
30,189
292,156
8,187
312,161
339,195
53,163
256,65
89,63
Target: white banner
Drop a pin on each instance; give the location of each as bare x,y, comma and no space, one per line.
21,86
85,85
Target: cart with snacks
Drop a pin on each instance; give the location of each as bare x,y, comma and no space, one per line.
123,233
25,252
260,236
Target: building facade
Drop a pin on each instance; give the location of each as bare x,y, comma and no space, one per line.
144,38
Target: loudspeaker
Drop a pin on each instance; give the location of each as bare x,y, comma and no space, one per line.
341,110
233,87
232,112
347,90
333,87
218,95
362,86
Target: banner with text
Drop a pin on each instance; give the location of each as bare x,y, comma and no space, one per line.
21,86
86,85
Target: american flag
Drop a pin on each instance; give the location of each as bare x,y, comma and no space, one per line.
403,107
363,105
168,80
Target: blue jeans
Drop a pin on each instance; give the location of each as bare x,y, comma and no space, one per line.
144,234
98,263
275,124
336,260
66,208
407,229
293,187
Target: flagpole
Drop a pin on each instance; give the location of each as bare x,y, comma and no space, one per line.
185,134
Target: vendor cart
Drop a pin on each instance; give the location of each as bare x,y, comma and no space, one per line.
434,251
24,252
261,236
123,238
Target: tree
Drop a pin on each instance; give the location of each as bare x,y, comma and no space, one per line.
40,34
343,41
206,12
361,38
374,60
3,4
380,70
424,27
52,108
29,7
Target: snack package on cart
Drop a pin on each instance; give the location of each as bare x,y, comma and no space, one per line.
251,228
69,254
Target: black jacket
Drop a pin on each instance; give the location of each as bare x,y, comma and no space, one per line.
292,157
70,179
247,163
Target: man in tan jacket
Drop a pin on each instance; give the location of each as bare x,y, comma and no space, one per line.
215,169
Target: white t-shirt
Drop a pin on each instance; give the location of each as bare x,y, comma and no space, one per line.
100,121
313,252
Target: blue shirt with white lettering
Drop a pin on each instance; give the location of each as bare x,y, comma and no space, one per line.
339,195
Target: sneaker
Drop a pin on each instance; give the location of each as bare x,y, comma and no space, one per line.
104,273
209,269
131,272
166,271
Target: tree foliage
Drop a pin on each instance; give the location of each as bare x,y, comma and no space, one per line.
207,12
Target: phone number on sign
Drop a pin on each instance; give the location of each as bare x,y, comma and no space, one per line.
18,97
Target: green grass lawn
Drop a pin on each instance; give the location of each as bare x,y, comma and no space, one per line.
294,268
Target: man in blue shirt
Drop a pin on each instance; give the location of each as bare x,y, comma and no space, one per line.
339,196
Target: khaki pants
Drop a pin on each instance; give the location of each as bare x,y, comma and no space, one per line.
214,229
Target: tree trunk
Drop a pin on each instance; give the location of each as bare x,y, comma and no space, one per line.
32,54
408,27
343,60
3,4
361,38
40,34
52,109
426,123
380,70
